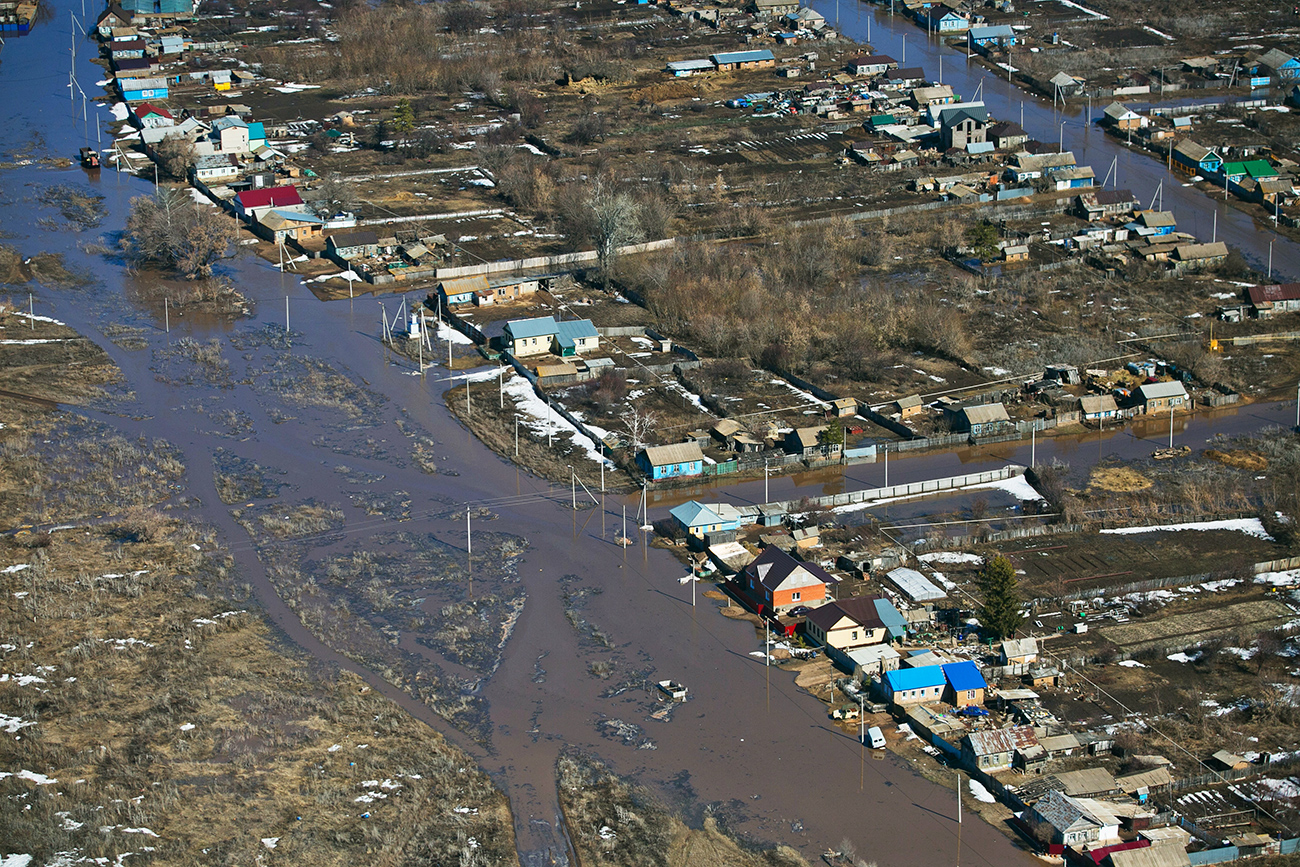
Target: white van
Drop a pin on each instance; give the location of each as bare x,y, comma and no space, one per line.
876,738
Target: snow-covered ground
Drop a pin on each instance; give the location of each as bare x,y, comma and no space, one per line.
1249,526
1016,486
539,418
980,793
950,557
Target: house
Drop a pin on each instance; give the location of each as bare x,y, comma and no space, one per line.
989,419
152,117
1073,821
215,167
777,582
1018,651
524,337
772,8
461,290
509,289
1027,167
1098,407
872,661
942,19
1100,204
575,336
905,687
909,406
874,64
1155,396
1200,255
914,585
963,126
729,60
699,520
806,18
160,8
1015,253
989,751
1006,134
1196,159
806,441
672,461
684,68
965,684
1074,178
170,46
1284,66
295,225
912,76
939,94
846,624
1120,117
1066,85
346,246
252,204
1084,783
991,36
1268,301
230,135
126,49
112,17
142,89
1160,222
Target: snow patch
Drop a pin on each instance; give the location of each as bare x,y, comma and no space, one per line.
950,557
1249,526
980,793
1130,663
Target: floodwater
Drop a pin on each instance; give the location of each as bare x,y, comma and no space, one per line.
747,747
1203,215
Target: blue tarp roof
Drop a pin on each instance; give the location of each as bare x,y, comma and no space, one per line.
964,676
915,678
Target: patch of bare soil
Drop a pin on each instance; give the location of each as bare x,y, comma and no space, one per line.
1120,480
1239,458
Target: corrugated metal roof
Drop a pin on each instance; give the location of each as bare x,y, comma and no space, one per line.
964,676
915,678
727,57
675,453
915,585
518,329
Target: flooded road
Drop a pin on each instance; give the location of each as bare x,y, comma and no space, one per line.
748,747
1136,170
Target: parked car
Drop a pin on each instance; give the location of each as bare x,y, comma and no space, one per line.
800,611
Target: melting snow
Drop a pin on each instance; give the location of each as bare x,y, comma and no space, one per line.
269,842
12,724
1184,657
950,557
981,794
539,418
8,570
1130,663
1249,526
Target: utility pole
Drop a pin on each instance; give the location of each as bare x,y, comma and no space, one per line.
1171,423
167,315
469,553
766,498
31,312
573,487
1033,447
516,434
886,467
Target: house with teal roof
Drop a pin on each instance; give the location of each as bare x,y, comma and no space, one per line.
699,520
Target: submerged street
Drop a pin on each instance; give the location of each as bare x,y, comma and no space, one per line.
748,746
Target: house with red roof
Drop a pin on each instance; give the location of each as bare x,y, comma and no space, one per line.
152,116
252,204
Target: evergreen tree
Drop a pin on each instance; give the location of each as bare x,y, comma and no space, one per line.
403,116
1000,614
833,435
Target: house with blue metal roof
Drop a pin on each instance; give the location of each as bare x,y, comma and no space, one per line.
699,520
965,684
543,334
906,687
728,60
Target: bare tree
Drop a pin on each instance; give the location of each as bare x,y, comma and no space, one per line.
616,222
639,426
175,155
334,194
171,230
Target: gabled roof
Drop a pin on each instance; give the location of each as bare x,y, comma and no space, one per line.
676,453
992,742
859,609
464,285
1067,814
992,31
985,413
911,73
1276,58
1063,79
277,197
145,109
1093,404
871,654
1194,151
1157,219
1154,390
1114,197
693,514
1151,856
520,329
915,585
575,329
776,570
974,110
1267,296
353,239
279,217
1192,252
964,676
1119,111
1021,646
915,678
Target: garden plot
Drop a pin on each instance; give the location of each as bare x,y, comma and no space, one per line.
1208,622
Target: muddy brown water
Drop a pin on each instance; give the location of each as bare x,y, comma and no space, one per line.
748,746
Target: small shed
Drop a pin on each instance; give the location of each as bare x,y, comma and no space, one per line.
914,585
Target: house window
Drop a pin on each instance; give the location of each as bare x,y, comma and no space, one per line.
855,635
794,597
